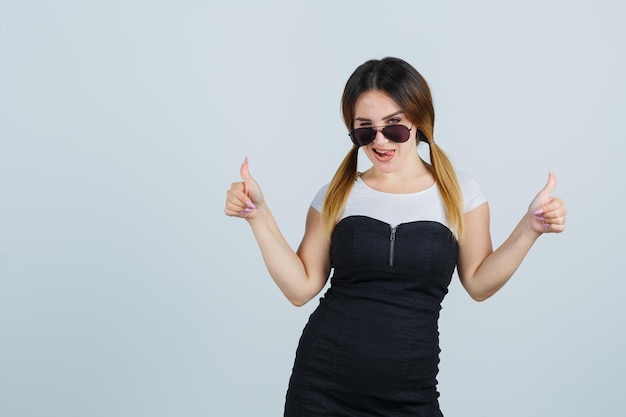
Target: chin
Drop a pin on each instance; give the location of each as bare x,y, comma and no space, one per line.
386,168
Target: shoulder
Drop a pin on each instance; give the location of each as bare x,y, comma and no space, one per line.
466,180
473,195
318,200
359,186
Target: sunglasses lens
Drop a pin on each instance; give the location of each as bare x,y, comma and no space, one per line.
397,133
363,135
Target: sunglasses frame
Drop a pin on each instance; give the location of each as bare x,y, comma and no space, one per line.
377,129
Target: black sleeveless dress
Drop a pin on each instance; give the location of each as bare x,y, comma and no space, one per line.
371,348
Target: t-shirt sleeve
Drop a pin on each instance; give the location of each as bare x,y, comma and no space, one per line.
473,195
318,200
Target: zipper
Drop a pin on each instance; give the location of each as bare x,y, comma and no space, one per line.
392,241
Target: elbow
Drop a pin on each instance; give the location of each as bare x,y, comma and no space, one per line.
298,301
478,293
480,296
300,296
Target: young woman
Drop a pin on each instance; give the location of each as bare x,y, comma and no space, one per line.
393,236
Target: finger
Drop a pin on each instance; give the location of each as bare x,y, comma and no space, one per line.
244,171
554,208
553,220
237,190
554,228
551,184
236,196
554,224
233,209
236,207
547,190
555,215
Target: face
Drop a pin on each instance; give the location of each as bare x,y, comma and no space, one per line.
376,109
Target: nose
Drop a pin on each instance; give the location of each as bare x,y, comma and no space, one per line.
380,138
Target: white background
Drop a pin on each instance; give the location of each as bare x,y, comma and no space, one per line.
125,291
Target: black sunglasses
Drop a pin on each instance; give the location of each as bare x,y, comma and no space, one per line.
396,133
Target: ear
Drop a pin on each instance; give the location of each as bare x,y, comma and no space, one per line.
421,136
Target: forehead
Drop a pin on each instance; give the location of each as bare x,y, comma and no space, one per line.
374,104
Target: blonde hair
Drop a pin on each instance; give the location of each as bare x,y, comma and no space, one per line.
400,81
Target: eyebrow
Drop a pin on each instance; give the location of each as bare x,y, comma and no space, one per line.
363,119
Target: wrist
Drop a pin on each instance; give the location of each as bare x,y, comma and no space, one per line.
257,215
532,226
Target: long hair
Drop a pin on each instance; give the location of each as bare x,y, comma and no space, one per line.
400,81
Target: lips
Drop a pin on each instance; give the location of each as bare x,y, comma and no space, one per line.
383,155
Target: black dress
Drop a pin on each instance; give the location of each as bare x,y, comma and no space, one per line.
371,348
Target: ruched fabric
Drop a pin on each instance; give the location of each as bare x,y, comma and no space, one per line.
371,348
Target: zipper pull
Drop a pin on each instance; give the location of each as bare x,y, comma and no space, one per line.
392,240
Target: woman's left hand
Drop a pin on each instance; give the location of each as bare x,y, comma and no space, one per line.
547,213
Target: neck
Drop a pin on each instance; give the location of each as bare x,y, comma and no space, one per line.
412,177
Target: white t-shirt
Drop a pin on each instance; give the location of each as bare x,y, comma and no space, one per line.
403,208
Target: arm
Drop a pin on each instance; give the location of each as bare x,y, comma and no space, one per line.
299,275
484,271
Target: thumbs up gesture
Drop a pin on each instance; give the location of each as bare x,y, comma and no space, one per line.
548,212
244,197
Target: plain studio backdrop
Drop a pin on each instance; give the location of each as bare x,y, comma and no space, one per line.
125,290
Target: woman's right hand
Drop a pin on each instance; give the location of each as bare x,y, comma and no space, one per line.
299,275
244,197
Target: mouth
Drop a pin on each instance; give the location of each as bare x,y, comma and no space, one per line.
383,155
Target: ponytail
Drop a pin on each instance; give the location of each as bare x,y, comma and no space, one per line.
339,190
449,188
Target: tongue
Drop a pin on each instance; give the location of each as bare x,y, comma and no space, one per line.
385,155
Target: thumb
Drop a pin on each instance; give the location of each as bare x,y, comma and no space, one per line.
246,177
244,171
550,185
543,197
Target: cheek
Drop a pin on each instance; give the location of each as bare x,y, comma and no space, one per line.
371,157
367,152
409,145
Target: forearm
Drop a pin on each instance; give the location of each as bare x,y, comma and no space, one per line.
499,266
283,264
